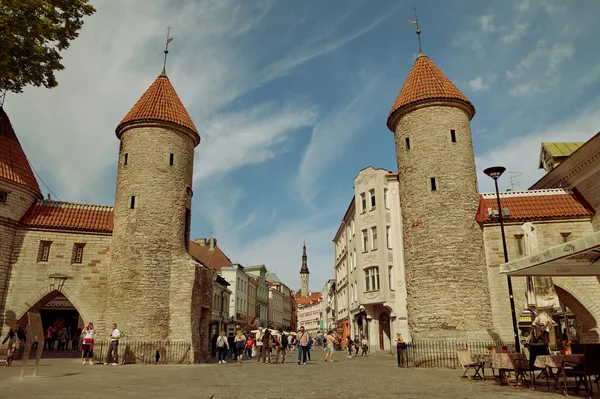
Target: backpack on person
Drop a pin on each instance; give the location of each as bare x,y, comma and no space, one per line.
220,341
284,340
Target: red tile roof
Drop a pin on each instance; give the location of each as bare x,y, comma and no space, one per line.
213,259
425,81
14,165
69,216
311,299
159,103
534,205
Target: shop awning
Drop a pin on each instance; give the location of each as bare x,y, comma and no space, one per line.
580,257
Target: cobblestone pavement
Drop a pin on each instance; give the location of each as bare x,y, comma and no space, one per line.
363,377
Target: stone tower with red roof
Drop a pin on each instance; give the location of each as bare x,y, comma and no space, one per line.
446,276
304,273
152,278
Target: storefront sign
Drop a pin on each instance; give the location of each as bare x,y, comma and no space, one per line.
59,304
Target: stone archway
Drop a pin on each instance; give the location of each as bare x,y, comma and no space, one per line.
586,322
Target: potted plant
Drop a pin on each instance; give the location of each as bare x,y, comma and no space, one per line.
567,346
491,348
560,346
504,349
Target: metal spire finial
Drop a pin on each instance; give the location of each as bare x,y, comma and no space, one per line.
416,22
169,40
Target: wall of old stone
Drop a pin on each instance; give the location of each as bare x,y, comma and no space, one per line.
585,289
19,198
32,284
446,278
151,274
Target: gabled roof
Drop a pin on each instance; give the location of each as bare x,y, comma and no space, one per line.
69,216
14,165
425,82
558,150
312,298
534,205
213,259
160,103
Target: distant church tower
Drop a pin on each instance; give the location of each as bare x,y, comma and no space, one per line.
148,283
446,275
304,274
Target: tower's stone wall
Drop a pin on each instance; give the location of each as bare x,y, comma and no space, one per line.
304,283
151,274
18,200
446,277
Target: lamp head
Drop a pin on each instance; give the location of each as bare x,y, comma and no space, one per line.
495,171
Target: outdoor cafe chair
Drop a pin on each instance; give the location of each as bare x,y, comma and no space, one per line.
535,350
591,367
464,357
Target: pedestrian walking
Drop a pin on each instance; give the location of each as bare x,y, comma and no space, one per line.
350,345
330,340
303,339
282,343
365,345
88,344
400,350
356,345
311,342
250,344
222,347
76,339
240,345
113,350
48,341
267,341
213,346
231,341
259,344
69,337
15,338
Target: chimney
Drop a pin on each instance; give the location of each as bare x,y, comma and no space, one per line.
49,196
212,242
200,241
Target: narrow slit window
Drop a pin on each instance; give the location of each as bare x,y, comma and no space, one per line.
171,159
132,204
433,183
453,135
125,159
3,196
407,140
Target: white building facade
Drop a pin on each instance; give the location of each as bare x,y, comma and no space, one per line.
238,300
309,316
369,267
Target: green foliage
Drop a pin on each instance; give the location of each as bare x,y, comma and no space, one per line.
32,34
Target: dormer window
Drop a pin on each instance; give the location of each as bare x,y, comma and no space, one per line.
3,196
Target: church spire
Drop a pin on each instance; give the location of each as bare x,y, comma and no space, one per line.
304,269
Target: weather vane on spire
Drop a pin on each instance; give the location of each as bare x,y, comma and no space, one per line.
416,22
169,40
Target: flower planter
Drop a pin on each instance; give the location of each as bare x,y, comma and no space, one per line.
563,352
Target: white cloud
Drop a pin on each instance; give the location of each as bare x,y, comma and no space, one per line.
486,22
589,79
520,154
480,83
516,32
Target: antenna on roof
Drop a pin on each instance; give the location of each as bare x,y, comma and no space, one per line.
212,234
416,22
169,40
514,182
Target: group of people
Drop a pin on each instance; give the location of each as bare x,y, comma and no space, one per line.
16,338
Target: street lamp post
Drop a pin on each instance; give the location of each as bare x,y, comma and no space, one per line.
495,172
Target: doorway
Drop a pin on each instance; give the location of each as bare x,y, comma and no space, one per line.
384,331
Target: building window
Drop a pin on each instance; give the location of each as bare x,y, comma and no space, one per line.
520,248
186,229
433,184
388,238
363,203
407,141
132,203
453,135
77,253
386,202
374,238
44,251
353,227
372,194
354,258
391,277
565,236
365,241
372,279
125,158
3,196
171,159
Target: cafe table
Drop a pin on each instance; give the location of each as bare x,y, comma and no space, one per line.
507,363
559,362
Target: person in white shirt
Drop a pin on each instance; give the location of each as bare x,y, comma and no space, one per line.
259,344
113,349
88,344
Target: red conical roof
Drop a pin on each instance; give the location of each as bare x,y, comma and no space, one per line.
13,161
160,103
425,82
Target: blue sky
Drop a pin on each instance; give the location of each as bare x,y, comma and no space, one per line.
291,100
